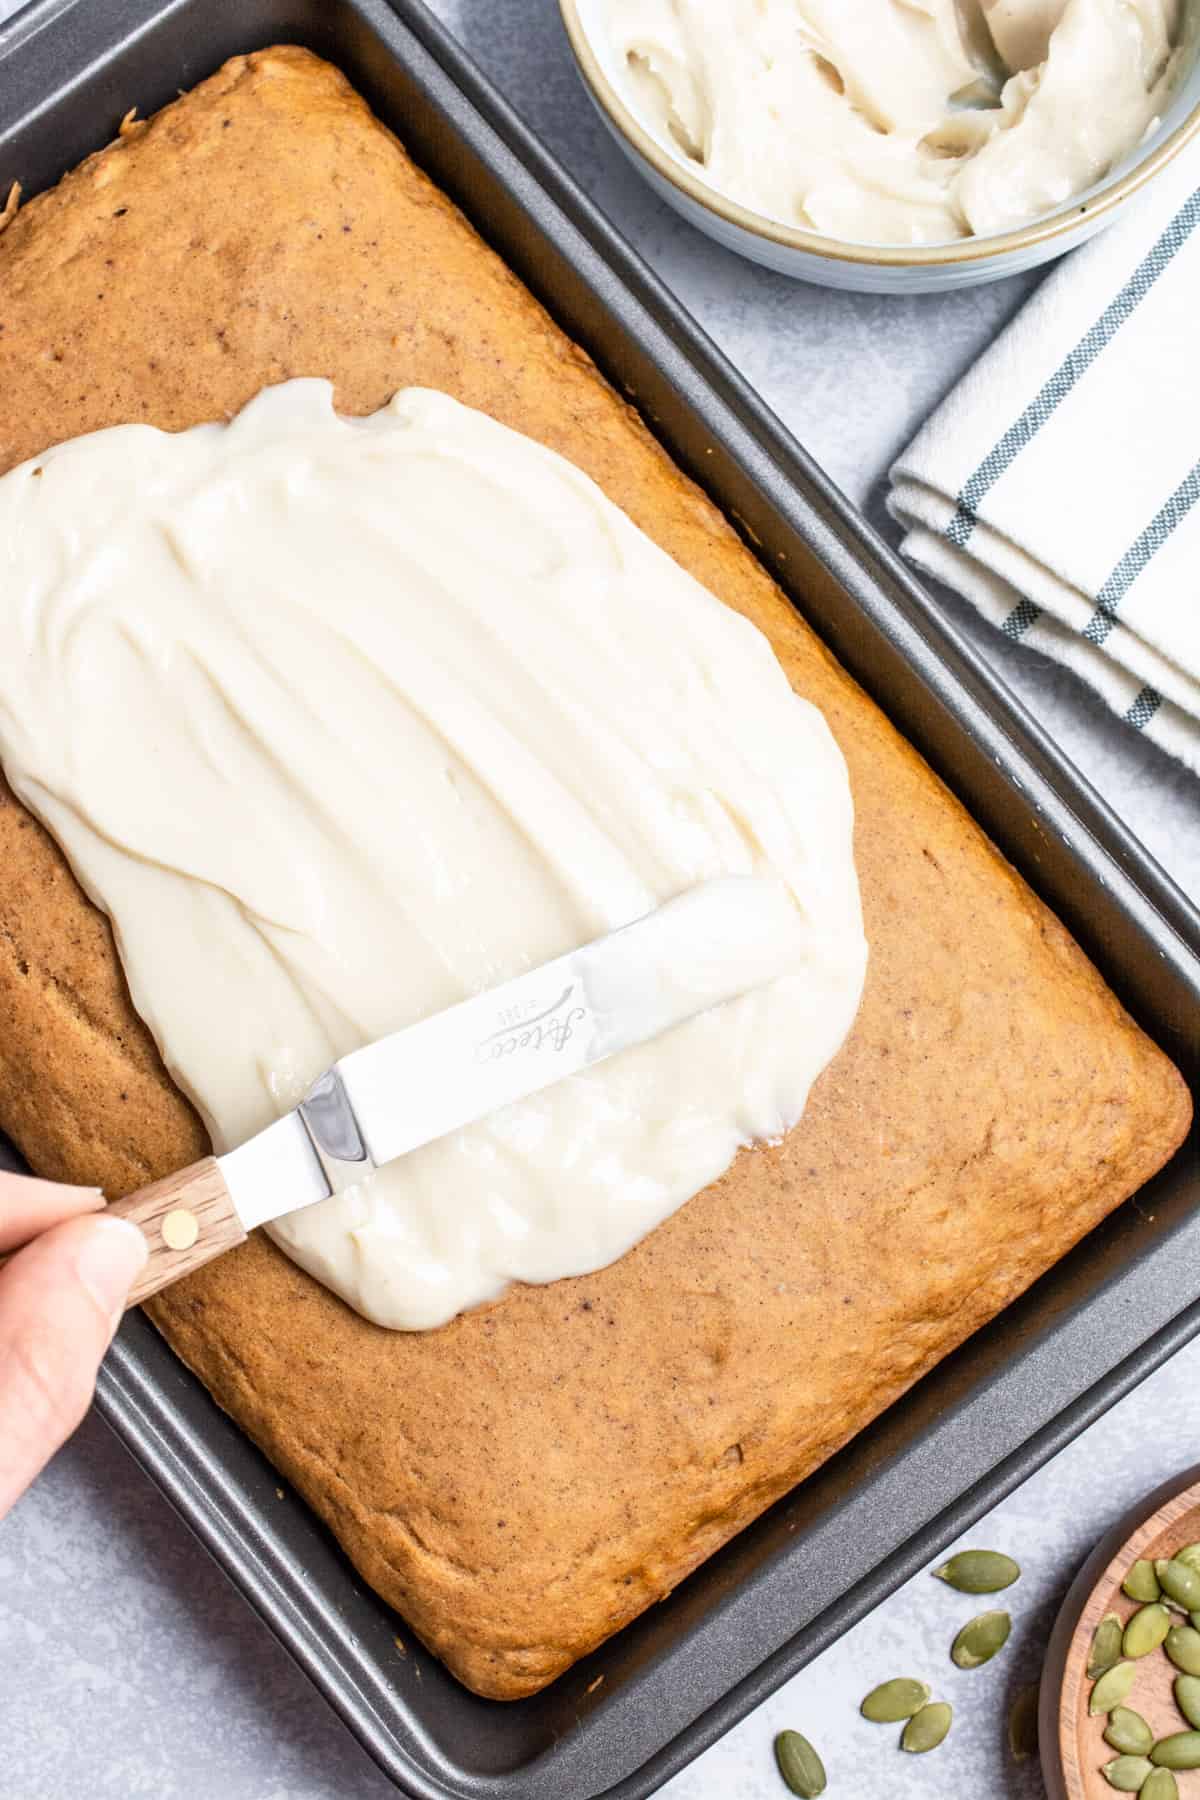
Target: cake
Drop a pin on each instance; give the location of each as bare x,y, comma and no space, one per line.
523,1481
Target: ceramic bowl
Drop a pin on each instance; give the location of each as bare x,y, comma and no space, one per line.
872,268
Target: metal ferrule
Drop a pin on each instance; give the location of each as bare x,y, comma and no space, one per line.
334,1132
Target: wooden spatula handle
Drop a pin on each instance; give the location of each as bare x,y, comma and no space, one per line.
187,1219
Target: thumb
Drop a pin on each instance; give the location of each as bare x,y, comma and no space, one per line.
60,1302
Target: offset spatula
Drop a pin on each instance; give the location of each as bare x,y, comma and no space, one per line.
710,944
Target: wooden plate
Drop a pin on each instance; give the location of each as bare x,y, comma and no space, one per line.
1073,1747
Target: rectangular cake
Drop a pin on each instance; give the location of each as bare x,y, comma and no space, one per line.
523,1481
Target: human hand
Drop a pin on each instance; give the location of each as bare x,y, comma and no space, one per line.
61,1299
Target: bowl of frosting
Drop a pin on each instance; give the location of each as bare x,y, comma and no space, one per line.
894,145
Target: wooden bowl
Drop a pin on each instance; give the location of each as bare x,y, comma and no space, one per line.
1072,1742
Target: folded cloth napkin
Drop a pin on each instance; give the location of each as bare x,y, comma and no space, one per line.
1058,486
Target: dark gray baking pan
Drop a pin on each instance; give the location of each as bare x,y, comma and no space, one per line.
620,1723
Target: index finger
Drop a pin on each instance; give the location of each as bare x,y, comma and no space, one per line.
29,1206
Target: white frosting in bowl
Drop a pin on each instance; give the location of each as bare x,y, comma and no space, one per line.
897,121
344,720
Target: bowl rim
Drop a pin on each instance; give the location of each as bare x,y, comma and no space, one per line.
830,249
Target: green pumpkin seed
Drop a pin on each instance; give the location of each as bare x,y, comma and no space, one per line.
1190,1555
1195,1620
1147,1629
1183,1647
1181,1584
1113,1688
894,1700
1023,1723
802,1769
980,1639
1160,1785
979,1572
1187,1698
1128,1732
1141,1583
1128,1773
1106,1645
1160,1569
1182,1751
928,1728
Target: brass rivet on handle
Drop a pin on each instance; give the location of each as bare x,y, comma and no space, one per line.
180,1229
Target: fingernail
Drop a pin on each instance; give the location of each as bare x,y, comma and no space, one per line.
112,1254
81,1196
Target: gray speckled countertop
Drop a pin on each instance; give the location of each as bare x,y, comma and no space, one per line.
128,1666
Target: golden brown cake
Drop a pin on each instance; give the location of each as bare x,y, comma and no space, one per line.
523,1481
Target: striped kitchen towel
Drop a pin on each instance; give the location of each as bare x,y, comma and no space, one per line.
1058,486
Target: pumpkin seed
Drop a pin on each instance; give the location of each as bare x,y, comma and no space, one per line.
1182,1751
1128,1773
1106,1645
894,1700
1187,1698
1160,1570
1181,1584
802,1769
980,1639
1141,1583
928,1728
1183,1647
1023,1723
1189,1555
1160,1785
1195,1620
1113,1688
1128,1732
979,1572
1147,1629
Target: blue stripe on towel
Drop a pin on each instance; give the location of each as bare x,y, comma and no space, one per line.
1140,552
1069,371
1144,708
1023,615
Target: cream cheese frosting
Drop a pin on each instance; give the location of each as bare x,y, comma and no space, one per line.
897,121
344,720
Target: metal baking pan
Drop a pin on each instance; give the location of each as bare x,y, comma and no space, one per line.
1088,1332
